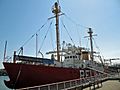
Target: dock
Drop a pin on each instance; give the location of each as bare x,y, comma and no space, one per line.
92,83
3,72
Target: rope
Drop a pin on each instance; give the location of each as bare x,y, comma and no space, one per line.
75,22
33,35
52,40
98,48
68,33
87,44
45,36
79,36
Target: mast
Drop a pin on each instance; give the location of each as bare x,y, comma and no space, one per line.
56,11
90,32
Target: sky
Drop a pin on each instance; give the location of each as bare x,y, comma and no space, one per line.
20,19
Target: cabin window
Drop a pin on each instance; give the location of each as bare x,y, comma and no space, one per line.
82,66
87,73
73,56
70,56
66,57
82,73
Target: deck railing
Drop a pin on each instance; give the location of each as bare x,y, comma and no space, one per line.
65,85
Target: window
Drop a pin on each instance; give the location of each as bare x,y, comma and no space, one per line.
73,56
66,57
81,73
87,73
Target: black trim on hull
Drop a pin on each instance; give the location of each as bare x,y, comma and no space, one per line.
9,84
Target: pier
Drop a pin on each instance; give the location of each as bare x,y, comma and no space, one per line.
77,84
3,72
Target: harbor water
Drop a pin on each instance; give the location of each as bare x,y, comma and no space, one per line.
2,85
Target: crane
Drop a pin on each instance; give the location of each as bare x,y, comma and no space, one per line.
110,60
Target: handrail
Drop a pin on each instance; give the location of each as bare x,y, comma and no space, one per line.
80,80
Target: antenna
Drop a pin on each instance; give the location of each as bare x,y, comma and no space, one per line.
5,50
36,45
58,2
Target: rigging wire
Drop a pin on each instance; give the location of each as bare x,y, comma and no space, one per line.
45,36
67,32
33,35
101,57
75,22
96,44
79,36
87,44
77,26
52,40
97,47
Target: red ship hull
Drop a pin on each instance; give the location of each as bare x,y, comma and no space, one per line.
26,75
